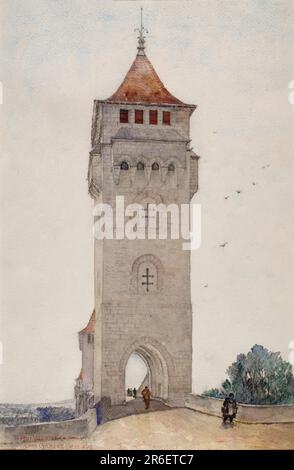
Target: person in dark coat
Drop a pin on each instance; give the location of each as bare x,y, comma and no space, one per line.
229,408
134,393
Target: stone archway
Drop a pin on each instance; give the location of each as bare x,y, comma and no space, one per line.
158,362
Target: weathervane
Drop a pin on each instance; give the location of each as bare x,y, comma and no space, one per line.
141,37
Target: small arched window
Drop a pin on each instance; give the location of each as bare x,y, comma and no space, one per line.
155,166
124,165
140,166
171,167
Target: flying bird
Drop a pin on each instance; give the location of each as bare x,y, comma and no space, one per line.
223,244
265,166
206,285
226,197
238,191
254,183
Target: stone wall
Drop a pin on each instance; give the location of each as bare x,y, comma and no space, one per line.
108,114
246,413
156,324
79,427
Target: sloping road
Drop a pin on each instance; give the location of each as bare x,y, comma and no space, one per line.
176,429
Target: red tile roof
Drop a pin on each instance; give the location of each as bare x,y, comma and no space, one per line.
90,328
80,377
143,85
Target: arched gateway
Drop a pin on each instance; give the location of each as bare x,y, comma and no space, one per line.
142,286
159,365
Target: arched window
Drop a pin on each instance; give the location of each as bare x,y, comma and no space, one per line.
155,166
124,165
171,167
140,166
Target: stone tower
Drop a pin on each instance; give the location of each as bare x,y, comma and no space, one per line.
140,150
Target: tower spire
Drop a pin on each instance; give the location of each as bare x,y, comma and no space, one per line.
141,37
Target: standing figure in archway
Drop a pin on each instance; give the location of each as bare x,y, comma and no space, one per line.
146,397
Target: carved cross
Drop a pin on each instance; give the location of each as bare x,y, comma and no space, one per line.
148,276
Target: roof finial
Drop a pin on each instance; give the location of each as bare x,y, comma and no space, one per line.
141,37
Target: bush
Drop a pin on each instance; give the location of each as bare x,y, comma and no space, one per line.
54,413
215,393
258,377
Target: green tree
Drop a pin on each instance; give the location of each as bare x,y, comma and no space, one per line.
259,377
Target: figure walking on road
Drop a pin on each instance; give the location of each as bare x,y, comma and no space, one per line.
146,397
